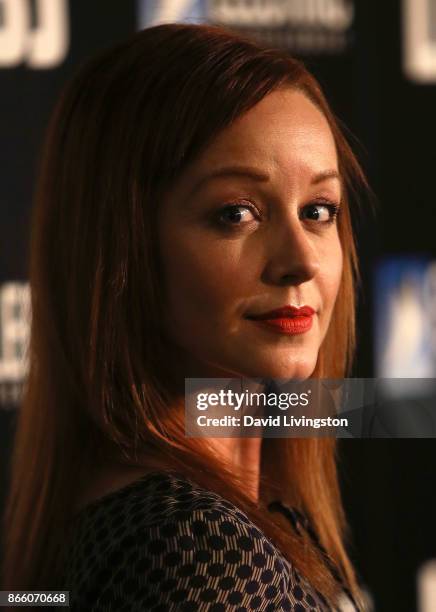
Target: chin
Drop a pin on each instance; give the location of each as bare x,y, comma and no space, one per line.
299,364
299,370
298,373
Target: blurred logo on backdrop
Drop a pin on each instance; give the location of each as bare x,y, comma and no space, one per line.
304,26
405,318
35,33
419,40
15,318
155,12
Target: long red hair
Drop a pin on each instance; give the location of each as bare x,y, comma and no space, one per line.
124,128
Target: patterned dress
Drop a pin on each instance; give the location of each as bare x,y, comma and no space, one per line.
165,544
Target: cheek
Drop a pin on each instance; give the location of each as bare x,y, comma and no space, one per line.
201,277
332,274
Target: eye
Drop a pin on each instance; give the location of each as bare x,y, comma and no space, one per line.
236,214
321,212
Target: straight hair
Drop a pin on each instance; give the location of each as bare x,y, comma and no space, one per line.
98,386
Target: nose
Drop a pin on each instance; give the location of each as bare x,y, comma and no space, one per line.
292,255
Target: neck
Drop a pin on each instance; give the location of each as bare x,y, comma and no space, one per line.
244,454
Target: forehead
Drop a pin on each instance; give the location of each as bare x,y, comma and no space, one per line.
284,129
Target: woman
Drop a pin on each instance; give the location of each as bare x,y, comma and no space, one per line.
191,181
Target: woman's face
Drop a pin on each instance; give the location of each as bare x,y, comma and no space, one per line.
247,229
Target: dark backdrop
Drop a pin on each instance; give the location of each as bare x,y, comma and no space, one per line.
388,485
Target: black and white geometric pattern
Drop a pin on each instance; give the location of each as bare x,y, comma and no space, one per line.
165,544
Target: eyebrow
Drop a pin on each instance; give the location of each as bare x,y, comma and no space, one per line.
257,175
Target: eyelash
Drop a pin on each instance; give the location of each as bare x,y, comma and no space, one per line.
332,207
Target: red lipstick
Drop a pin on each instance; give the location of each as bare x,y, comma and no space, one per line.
286,320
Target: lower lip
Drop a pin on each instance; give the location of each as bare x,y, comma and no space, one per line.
287,325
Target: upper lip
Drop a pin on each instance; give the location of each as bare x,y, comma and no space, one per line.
284,311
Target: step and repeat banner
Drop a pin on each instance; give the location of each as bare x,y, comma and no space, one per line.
377,64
